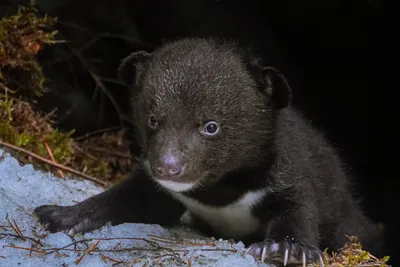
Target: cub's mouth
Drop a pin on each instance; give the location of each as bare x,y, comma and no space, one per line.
173,179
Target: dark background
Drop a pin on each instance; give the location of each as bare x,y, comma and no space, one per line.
333,52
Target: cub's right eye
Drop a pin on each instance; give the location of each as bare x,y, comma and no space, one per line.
210,129
153,122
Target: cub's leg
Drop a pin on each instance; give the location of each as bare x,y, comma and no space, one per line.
137,199
291,232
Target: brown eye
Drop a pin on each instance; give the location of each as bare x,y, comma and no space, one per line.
211,128
153,122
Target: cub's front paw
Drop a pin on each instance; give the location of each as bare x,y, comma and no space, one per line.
286,252
73,219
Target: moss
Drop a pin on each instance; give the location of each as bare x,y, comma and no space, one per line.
21,37
96,167
21,126
21,81
352,255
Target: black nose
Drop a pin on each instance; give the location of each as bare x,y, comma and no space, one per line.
169,165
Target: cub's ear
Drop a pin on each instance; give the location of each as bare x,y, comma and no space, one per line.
277,87
131,66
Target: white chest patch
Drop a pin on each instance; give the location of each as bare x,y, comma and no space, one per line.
174,186
234,220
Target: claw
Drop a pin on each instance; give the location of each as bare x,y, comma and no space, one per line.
285,259
46,226
71,232
264,253
286,252
247,251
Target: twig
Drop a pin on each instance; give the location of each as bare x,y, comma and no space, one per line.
111,80
117,245
152,243
81,150
163,239
127,249
95,39
57,165
52,158
109,152
111,238
219,249
75,243
30,252
74,25
100,84
96,132
19,230
104,257
24,248
116,36
23,238
96,79
93,246
16,229
212,244
158,258
170,251
172,241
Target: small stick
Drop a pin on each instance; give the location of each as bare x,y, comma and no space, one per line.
212,244
23,238
173,241
162,237
92,246
104,257
117,245
99,131
52,157
30,252
23,248
106,151
15,229
57,165
19,230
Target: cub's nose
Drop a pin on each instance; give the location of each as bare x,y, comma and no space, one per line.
169,165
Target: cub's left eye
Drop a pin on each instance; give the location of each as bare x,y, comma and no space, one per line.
153,122
211,128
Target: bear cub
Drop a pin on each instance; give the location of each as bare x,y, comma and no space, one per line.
223,151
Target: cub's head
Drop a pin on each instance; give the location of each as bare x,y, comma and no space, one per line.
202,109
